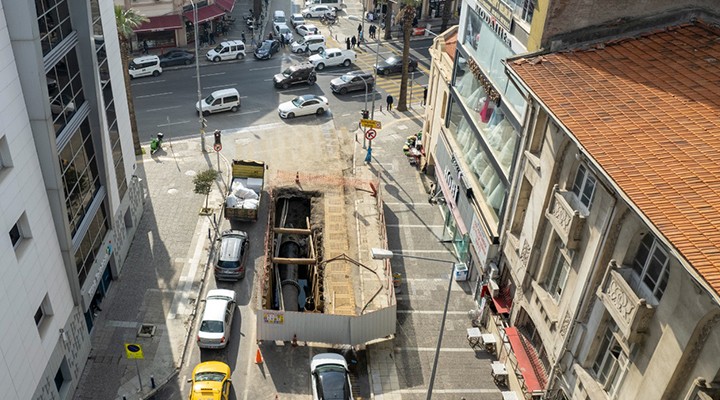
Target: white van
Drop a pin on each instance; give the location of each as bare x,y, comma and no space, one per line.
220,100
145,66
309,43
229,50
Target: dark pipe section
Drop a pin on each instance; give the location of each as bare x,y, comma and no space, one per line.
289,275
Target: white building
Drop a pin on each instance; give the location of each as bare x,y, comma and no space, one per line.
68,197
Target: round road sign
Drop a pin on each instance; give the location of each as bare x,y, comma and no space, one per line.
370,134
217,147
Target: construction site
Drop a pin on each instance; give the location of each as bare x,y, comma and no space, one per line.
318,282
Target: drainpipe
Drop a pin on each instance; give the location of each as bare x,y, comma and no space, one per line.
574,320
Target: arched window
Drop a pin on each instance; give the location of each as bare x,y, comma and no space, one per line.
651,265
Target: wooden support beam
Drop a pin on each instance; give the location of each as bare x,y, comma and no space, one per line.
301,261
292,231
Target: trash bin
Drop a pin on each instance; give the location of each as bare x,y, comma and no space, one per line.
461,272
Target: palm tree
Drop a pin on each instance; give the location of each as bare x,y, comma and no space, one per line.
388,21
126,21
406,15
446,14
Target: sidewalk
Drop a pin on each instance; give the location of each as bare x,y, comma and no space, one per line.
158,286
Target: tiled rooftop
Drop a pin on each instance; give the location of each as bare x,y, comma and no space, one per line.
647,109
451,44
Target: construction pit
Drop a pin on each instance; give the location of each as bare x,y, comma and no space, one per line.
318,282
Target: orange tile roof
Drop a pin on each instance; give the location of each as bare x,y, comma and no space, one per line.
451,44
647,109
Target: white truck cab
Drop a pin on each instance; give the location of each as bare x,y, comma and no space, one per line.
332,57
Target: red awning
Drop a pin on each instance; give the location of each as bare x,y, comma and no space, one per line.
226,5
205,13
523,355
160,23
503,301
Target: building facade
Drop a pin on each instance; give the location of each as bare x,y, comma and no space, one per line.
70,199
579,280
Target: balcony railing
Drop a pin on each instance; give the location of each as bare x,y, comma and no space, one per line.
631,312
567,220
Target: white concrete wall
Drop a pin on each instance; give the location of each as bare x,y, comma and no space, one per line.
37,268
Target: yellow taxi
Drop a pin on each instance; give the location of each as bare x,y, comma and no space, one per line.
210,381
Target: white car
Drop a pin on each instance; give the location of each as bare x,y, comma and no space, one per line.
317,11
214,331
330,377
297,20
303,105
307,29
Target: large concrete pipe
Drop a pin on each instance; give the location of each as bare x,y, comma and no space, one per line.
289,275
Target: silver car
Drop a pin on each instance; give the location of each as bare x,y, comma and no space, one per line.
216,323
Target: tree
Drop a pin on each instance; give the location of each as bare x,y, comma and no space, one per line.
405,16
203,184
126,21
388,21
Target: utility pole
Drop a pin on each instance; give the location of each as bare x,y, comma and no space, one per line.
203,122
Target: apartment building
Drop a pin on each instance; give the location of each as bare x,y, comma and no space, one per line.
547,266
69,199
611,237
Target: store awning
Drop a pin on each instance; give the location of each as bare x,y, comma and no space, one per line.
226,5
205,13
534,380
160,23
503,301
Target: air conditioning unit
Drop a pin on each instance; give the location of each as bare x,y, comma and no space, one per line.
493,287
492,270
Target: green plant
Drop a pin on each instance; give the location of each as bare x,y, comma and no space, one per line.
203,183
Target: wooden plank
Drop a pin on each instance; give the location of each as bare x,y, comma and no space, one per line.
301,261
292,231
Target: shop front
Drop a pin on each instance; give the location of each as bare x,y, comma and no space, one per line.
98,281
161,31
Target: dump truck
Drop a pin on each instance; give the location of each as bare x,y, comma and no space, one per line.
245,190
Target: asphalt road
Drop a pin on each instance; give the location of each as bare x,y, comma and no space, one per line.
167,103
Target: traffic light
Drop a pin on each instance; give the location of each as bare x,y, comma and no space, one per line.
217,137
366,114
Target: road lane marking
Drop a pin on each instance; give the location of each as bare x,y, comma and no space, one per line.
259,69
153,95
216,73
173,123
187,277
162,108
217,86
245,112
147,83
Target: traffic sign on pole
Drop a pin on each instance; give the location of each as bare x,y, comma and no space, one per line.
370,123
217,147
370,134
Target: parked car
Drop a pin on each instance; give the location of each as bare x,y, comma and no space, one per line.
231,258
353,81
176,57
297,20
317,11
229,50
393,65
266,50
330,377
307,29
216,322
300,73
303,105
210,380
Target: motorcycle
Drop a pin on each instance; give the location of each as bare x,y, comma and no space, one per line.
156,144
328,19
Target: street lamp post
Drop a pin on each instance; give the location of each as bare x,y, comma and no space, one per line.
382,254
366,95
197,74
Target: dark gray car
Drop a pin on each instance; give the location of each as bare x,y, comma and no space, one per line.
352,81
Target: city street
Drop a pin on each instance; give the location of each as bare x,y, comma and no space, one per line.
167,103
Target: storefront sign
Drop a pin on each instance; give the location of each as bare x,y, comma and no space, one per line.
272,318
480,240
495,26
97,271
501,12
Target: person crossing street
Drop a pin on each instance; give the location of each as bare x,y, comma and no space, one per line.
389,101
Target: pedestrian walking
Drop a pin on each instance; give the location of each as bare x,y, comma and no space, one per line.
242,35
145,47
360,38
371,30
353,41
389,100
288,38
212,38
359,29
270,36
424,96
347,42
